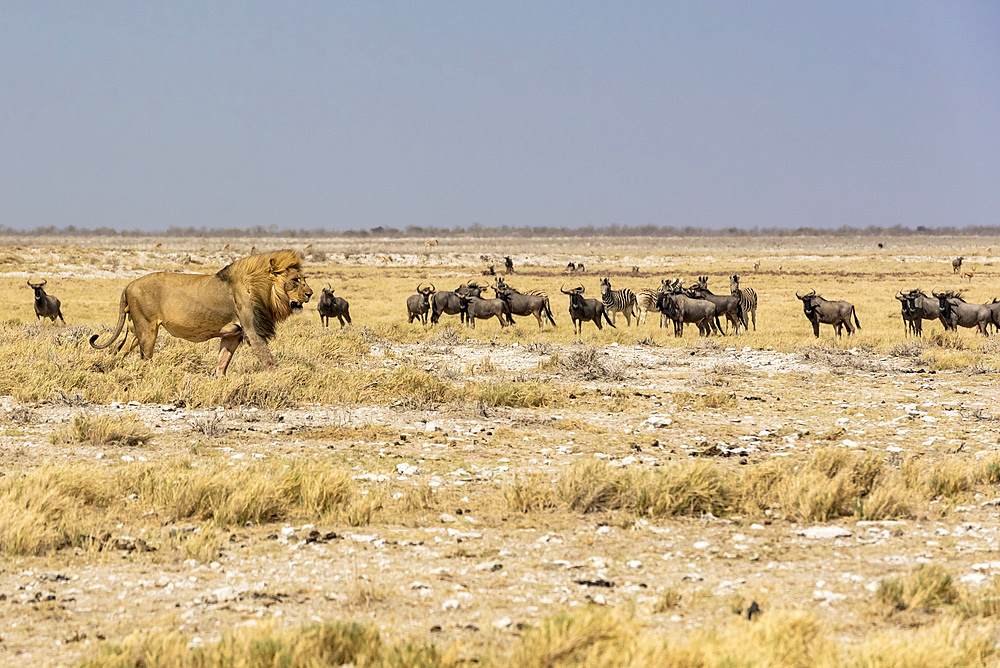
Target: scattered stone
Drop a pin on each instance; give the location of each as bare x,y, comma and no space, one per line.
825,532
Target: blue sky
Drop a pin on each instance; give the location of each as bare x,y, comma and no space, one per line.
350,115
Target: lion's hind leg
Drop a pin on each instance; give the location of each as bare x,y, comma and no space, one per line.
145,334
227,346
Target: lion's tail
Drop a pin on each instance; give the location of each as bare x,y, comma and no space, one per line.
122,309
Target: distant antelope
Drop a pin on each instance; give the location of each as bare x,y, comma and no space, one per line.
756,265
384,258
430,244
490,270
253,249
225,246
635,270
956,264
157,244
307,247
967,275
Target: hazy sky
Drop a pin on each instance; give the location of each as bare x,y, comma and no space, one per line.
348,115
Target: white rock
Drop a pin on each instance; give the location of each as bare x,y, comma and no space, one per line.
450,604
701,545
657,422
825,532
503,622
447,519
634,563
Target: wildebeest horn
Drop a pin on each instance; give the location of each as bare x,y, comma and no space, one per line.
800,296
562,289
420,287
326,286
433,289
582,289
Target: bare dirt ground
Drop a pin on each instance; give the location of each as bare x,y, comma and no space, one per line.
475,578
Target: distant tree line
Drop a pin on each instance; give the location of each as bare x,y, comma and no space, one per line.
479,231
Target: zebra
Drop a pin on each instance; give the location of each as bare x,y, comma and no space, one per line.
616,301
645,300
747,301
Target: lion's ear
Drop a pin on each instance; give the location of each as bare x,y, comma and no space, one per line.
275,267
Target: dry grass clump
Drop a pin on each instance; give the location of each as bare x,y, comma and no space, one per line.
587,637
588,363
927,588
57,506
593,486
328,644
104,429
832,482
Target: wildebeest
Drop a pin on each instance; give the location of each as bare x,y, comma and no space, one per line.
821,311
447,302
584,310
727,305
956,264
524,304
680,308
958,313
476,308
419,304
46,306
508,264
333,307
915,307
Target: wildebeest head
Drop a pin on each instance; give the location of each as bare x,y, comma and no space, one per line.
38,288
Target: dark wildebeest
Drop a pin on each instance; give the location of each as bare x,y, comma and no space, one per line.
920,307
508,264
681,309
957,313
956,264
419,304
584,310
46,306
477,308
333,307
571,267
524,303
820,311
726,305
911,321
448,302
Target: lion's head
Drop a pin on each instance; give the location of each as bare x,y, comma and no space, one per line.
276,284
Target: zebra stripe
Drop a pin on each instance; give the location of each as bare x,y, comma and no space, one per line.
617,301
645,301
747,303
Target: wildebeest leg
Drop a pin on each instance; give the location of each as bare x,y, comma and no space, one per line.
815,324
538,317
227,346
502,323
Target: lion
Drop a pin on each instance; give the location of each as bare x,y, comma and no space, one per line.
243,301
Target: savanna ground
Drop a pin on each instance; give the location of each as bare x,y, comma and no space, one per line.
403,495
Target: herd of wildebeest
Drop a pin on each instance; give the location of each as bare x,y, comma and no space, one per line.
284,291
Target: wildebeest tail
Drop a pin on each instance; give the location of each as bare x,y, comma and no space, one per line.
122,309
855,314
607,319
548,312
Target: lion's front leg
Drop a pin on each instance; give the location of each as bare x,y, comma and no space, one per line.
256,341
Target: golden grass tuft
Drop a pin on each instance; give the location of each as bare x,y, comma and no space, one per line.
104,429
